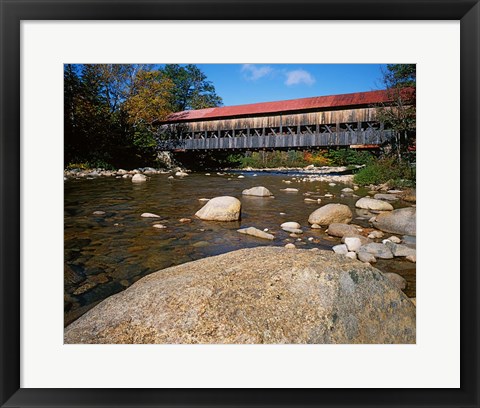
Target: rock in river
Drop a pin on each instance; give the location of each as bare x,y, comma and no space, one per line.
331,213
377,250
290,224
139,178
340,230
223,208
150,215
258,192
255,295
373,204
401,221
256,233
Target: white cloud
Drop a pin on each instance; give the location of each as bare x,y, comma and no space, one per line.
253,72
299,76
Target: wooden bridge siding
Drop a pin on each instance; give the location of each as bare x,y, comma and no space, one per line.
324,117
287,141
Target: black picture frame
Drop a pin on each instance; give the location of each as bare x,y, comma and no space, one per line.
12,12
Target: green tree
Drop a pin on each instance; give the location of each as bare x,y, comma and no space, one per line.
191,90
400,82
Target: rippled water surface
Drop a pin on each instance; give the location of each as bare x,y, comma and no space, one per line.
106,253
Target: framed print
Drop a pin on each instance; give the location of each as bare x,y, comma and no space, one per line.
218,337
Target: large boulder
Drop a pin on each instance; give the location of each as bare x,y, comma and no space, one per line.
401,221
223,208
257,191
340,230
367,203
255,295
331,213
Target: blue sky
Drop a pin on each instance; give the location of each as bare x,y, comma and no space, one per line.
249,83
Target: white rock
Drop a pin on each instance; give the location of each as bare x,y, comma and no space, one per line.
373,204
258,191
315,226
310,239
351,255
347,190
395,239
139,178
99,213
171,177
223,208
290,246
332,184
290,190
331,213
240,177
256,233
290,224
181,174
159,226
203,200
353,244
149,215
340,249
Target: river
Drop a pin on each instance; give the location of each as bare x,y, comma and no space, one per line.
108,252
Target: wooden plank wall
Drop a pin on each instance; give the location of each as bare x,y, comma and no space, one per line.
371,137
312,118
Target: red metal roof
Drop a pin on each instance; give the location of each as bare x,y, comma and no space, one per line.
318,102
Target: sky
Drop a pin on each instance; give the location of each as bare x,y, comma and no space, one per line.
240,84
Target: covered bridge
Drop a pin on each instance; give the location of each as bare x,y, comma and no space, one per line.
324,121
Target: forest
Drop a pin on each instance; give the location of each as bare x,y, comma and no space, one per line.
110,110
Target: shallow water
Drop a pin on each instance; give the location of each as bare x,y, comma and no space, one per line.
104,254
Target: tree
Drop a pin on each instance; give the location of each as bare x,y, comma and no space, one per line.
400,81
112,110
191,90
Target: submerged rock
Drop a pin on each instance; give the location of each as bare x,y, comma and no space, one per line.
255,232
223,208
257,295
331,213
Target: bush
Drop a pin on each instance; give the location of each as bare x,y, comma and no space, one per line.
349,157
386,170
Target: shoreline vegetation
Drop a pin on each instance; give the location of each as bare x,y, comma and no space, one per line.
374,172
